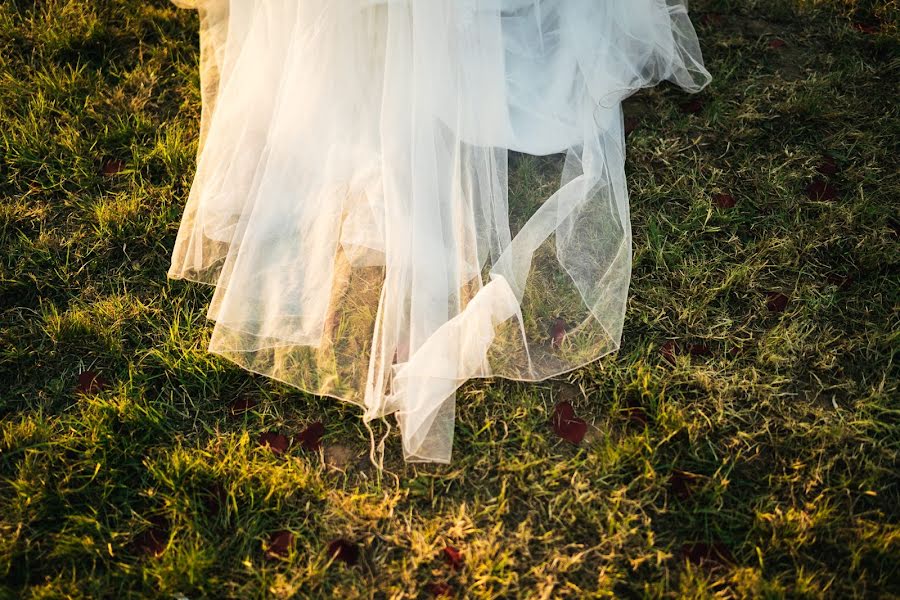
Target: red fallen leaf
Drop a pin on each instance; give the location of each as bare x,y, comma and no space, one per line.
631,124
820,189
401,353
866,28
841,281
90,382
279,545
440,588
776,301
724,200
638,416
153,541
692,106
703,554
274,441
712,19
828,166
699,350
111,166
243,404
310,438
668,351
341,549
777,43
215,497
681,483
566,425
557,332
453,558
636,413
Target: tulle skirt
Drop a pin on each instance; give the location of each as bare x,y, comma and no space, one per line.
351,202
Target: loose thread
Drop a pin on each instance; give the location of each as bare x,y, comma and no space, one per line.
371,442
376,451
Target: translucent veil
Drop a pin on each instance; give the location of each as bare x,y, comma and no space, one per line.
351,196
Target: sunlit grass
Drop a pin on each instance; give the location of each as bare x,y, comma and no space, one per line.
774,441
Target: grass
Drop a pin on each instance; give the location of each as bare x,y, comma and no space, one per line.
755,455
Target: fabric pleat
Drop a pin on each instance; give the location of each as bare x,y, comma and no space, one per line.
351,201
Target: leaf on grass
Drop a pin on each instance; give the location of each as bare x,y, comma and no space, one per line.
681,484
867,28
153,541
724,200
692,106
668,351
401,353
841,281
636,413
819,189
776,302
715,554
557,332
712,18
214,498
566,425
90,382
343,550
631,123
279,544
777,43
453,557
439,589
276,442
699,350
828,166
311,437
111,166
243,404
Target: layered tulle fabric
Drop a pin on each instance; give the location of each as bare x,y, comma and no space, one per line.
351,199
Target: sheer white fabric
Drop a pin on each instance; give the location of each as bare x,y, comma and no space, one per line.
351,196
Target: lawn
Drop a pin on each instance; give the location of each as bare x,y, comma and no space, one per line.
743,442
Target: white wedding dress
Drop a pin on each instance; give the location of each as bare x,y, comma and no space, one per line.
351,205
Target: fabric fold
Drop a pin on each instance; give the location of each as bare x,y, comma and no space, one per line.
352,200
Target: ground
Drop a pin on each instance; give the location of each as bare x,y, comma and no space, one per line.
743,442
